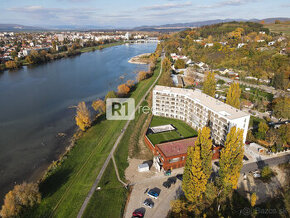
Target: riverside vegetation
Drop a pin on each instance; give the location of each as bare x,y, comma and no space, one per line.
67,181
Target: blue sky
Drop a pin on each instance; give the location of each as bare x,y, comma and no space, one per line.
131,13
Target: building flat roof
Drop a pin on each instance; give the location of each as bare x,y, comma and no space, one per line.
176,148
213,104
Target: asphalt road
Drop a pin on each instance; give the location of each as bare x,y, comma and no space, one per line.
270,162
91,192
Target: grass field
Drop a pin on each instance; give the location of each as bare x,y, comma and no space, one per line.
65,189
88,49
102,202
278,28
110,200
183,130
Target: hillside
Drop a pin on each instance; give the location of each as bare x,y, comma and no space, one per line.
278,28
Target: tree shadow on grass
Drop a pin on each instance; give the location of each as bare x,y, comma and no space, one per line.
51,184
99,119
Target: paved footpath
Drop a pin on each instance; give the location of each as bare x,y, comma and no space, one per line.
91,192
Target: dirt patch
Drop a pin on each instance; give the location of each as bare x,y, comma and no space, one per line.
263,190
137,147
132,173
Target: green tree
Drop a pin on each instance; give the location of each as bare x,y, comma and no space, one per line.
194,179
231,159
111,94
284,132
179,64
165,78
262,130
209,84
166,65
233,95
281,107
204,142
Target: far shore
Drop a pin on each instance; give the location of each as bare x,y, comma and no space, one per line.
140,59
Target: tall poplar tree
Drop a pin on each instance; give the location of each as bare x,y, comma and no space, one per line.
233,95
209,84
231,159
204,142
194,179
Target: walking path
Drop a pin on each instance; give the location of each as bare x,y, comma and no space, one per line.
117,171
91,192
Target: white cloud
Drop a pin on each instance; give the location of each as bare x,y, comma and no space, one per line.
167,6
227,3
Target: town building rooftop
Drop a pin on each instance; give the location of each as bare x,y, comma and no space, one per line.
176,148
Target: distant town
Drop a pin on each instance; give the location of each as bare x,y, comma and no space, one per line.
16,46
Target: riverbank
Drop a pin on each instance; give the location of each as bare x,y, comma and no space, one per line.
61,55
140,59
65,189
38,106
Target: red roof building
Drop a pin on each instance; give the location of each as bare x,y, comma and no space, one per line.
171,155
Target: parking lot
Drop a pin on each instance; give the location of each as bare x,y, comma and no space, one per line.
162,204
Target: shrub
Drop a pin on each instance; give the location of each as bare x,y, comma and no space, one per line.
266,173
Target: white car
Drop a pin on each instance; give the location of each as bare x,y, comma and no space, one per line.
256,174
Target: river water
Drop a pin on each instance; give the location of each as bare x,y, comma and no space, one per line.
36,104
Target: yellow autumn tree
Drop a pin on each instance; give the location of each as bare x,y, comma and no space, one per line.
20,198
233,95
253,199
231,159
99,106
130,83
177,206
123,90
83,117
209,84
205,143
194,179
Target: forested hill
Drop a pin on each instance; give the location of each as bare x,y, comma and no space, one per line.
245,47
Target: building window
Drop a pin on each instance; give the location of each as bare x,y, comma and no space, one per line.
174,160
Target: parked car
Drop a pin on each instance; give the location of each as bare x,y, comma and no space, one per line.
217,164
148,203
172,180
153,194
245,158
166,184
179,176
256,174
167,173
138,214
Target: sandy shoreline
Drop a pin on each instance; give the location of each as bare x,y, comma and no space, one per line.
138,59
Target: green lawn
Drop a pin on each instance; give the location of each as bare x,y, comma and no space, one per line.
182,128
110,200
65,189
164,137
88,49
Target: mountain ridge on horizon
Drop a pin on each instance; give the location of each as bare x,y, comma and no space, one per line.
172,26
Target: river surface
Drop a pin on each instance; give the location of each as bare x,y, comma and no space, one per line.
36,104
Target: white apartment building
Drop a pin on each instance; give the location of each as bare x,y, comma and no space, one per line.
198,110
